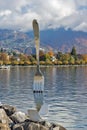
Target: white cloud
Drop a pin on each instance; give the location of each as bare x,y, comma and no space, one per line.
12,4
5,13
17,14
82,26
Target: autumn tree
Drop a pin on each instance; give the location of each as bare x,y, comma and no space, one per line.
51,53
4,56
84,57
23,57
14,62
1,62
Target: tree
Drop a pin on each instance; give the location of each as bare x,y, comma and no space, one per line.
65,57
72,60
74,53
78,62
4,56
1,50
51,53
15,62
48,62
65,62
21,62
59,55
31,58
23,57
1,62
42,63
59,62
6,62
27,63
47,57
84,57
42,55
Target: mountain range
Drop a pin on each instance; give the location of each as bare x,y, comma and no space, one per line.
57,40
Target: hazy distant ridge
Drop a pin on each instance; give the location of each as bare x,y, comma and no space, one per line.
59,39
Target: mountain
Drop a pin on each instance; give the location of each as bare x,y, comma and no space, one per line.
58,40
63,40
15,40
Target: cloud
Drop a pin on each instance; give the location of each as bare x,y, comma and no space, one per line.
5,13
82,26
18,14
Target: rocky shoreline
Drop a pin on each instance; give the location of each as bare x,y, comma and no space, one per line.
12,119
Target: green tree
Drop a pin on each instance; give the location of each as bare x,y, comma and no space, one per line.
74,53
1,50
31,58
47,57
59,55
72,60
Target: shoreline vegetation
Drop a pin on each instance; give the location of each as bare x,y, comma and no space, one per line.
46,58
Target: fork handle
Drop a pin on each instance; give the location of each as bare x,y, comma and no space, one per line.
37,39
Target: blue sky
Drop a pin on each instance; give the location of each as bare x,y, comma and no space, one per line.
18,14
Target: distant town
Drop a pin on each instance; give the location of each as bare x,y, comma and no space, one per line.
46,58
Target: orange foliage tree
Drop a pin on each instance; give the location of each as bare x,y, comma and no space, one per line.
84,57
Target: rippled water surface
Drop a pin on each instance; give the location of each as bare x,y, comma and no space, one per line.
65,93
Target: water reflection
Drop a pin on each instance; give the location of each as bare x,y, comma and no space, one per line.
4,77
65,91
38,98
41,106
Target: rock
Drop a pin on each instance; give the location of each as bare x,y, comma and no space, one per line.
3,117
45,123
10,119
4,126
34,126
18,127
18,117
26,125
57,127
9,109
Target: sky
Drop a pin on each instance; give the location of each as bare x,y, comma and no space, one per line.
50,14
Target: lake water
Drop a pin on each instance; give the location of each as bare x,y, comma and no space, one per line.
65,93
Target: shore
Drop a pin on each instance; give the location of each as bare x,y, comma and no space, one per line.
12,119
81,65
